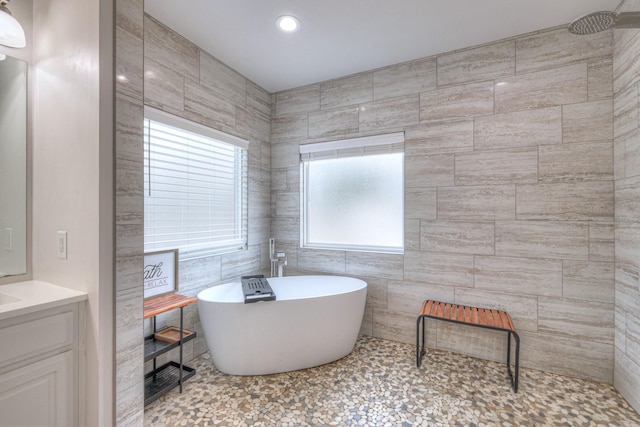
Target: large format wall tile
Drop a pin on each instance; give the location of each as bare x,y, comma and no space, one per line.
333,123
350,90
129,63
475,99
592,321
394,326
627,371
420,203
626,112
573,201
589,281
164,88
170,49
439,137
564,85
332,262
592,161
284,155
208,107
497,167
389,113
404,79
570,356
526,276
429,171
440,268
600,79
290,128
625,59
543,239
628,199
226,80
377,293
479,63
519,129
588,121
407,297
252,125
556,48
627,282
601,241
387,266
237,264
480,203
627,245
300,100
457,237
470,340
258,100
411,234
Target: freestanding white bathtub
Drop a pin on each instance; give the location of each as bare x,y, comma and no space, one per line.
315,320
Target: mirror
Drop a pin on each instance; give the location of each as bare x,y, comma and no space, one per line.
13,166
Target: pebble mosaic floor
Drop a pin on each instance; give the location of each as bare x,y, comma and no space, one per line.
378,384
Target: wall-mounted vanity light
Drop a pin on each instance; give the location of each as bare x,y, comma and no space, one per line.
11,32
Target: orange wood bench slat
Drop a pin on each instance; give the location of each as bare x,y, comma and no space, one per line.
465,314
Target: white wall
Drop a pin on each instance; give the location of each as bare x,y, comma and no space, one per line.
72,171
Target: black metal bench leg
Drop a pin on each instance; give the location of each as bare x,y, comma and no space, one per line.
513,377
418,355
517,338
420,345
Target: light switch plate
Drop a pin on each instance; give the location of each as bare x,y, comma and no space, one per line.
62,244
8,239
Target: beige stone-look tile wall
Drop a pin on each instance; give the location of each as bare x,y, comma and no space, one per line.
157,67
509,193
626,68
183,80
129,221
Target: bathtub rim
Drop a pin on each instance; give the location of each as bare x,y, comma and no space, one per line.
363,285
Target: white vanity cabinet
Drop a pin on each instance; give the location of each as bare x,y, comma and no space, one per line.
40,361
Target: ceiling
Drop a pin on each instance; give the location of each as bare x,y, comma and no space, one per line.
342,37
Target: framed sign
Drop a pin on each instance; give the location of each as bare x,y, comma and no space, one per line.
160,273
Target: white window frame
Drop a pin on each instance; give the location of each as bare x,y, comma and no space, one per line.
192,250
363,146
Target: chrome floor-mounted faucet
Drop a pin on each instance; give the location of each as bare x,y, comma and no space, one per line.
278,259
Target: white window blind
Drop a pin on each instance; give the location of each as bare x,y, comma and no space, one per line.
370,145
195,182
353,194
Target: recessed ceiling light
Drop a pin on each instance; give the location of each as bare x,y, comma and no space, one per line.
288,23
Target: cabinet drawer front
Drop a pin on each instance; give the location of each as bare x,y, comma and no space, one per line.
36,336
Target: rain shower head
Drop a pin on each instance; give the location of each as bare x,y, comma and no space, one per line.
600,21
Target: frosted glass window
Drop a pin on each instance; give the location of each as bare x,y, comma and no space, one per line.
354,202
195,188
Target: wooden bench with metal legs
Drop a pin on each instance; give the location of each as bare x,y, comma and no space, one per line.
482,317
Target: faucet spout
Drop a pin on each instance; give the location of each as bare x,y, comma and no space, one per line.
281,260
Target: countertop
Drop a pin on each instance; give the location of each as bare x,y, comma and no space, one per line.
30,296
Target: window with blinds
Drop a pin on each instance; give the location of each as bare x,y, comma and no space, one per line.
195,184
353,194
